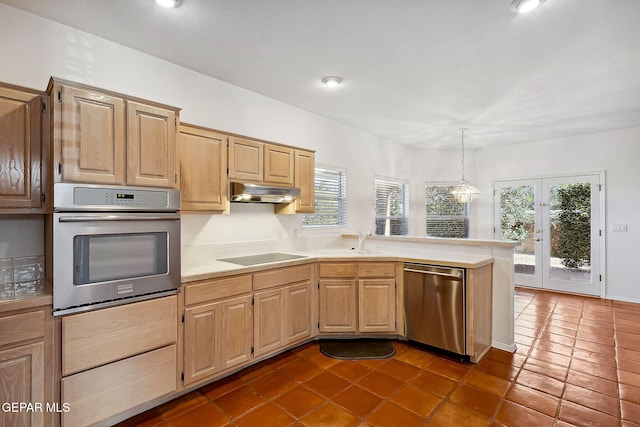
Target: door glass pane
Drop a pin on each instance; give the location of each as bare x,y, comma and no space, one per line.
517,222
570,231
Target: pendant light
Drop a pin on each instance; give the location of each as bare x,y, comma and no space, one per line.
464,192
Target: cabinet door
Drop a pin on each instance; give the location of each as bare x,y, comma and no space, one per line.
337,306
268,315
278,165
201,342
237,331
22,380
92,136
297,302
20,148
203,169
305,175
377,305
151,145
305,180
245,159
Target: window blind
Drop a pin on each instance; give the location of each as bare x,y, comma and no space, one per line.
391,208
330,199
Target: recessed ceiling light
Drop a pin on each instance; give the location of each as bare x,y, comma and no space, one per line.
168,3
331,81
524,6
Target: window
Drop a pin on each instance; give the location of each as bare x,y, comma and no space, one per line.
331,199
446,217
391,208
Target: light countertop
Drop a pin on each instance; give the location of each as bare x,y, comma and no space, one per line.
199,266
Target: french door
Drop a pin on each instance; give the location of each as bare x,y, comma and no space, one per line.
557,221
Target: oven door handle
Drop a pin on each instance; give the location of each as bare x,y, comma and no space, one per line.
118,218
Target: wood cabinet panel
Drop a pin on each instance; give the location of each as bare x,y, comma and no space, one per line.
268,317
203,169
246,161
201,342
151,145
89,132
479,311
105,391
304,179
281,276
22,379
297,302
102,336
209,290
23,147
21,327
338,269
278,165
236,332
376,305
376,269
338,305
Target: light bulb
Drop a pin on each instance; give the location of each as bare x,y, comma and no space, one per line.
524,6
167,3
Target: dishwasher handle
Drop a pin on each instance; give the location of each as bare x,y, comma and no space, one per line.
434,273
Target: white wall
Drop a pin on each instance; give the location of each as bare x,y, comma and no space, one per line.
616,153
33,49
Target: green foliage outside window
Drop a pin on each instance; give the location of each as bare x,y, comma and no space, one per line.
573,224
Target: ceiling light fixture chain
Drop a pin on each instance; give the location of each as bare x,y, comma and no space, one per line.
463,192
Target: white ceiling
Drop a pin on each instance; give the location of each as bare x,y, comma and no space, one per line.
415,71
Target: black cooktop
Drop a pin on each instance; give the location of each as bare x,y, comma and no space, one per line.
261,258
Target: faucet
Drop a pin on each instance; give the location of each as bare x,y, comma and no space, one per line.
361,239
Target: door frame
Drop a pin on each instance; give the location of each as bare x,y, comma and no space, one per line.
602,211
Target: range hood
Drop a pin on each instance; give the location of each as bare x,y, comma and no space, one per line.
255,193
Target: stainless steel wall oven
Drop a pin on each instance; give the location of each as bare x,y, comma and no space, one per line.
111,245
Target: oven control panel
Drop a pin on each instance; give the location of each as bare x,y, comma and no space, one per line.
70,197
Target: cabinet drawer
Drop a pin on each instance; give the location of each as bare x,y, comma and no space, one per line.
376,269
101,393
21,327
338,269
281,276
209,290
99,337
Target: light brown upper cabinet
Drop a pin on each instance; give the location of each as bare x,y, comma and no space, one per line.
261,162
24,144
102,137
278,165
246,159
202,169
304,174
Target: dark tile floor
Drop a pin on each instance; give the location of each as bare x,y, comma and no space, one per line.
577,363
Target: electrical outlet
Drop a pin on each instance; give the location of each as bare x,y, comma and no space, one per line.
619,228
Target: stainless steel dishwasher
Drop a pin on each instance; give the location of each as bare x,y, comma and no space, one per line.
434,301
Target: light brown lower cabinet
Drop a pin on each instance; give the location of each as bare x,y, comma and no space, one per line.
281,316
103,392
376,305
357,297
22,381
282,308
25,373
118,358
218,327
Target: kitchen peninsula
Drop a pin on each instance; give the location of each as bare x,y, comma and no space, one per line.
203,262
